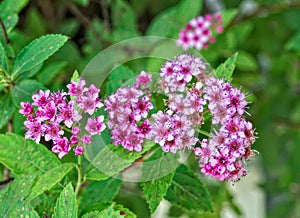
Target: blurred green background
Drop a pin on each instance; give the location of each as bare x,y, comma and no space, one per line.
266,33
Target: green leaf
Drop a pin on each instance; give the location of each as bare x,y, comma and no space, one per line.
66,203
170,22
50,71
109,212
94,174
123,210
36,52
157,169
6,109
246,62
228,15
226,69
100,191
29,73
188,191
8,13
23,91
113,159
75,77
118,77
294,43
3,59
14,194
12,6
93,214
24,209
50,178
23,156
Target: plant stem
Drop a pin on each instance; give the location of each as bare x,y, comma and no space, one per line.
7,40
79,177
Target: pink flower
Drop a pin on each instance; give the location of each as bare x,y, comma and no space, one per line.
143,79
61,146
74,139
41,98
52,131
77,88
198,33
78,150
95,126
86,139
26,108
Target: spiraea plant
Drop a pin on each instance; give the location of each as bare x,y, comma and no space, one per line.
77,149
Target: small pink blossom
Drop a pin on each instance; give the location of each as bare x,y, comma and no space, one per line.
26,108
78,150
95,126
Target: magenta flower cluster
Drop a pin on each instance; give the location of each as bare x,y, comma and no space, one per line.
198,33
128,112
192,97
52,115
224,155
192,93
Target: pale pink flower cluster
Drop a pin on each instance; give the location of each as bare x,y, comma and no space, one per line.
198,33
192,92
52,115
128,111
224,155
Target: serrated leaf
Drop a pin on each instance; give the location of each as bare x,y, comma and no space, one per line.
15,194
188,191
50,71
158,172
24,156
113,159
50,178
226,69
126,213
3,58
117,78
100,191
24,209
93,214
169,22
24,90
109,212
7,108
36,52
66,204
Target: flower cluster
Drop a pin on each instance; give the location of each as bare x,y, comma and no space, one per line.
51,115
178,72
223,156
128,111
198,33
192,97
173,131
192,92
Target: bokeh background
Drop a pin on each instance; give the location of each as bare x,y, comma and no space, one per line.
265,33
